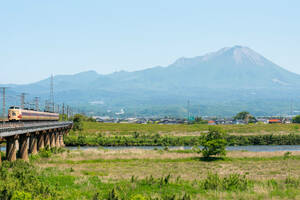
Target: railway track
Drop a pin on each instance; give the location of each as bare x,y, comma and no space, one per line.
24,124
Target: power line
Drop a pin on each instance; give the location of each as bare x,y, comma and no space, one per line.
23,99
188,110
63,112
3,104
36,100
51,94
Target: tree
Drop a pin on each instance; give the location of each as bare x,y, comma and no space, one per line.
246,116
199,120
214,142
296,119
77,122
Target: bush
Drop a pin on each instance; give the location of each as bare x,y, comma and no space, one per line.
138,197
77,122
21,195
232,182
296,119
214,142
21,180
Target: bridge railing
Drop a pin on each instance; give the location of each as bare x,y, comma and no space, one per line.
15,125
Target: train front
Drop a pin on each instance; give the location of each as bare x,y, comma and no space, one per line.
14,113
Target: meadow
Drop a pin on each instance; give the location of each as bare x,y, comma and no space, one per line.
151,174
106,134
112,129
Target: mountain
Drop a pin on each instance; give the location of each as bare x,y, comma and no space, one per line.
236,67
221,82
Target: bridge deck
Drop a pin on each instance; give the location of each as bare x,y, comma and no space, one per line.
10,129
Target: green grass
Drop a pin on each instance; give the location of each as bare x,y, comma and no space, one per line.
169,175
112,134
92,128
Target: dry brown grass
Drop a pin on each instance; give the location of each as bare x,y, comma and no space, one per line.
123,164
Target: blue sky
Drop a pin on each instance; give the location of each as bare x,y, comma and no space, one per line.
38,38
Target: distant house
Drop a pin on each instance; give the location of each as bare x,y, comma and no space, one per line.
211,122
274,121
262,120
239,122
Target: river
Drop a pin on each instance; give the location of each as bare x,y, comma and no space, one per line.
252,148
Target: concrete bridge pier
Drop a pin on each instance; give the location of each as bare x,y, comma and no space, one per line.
11,148
61,139
33,144
23,150
57,142
40,142
52,139
47,139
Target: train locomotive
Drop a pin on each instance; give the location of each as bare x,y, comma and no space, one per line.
16,114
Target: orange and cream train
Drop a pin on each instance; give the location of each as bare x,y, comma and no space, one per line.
15,113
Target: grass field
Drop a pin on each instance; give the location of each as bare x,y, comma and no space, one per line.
152,174
106,134
111,129
123,164
138,173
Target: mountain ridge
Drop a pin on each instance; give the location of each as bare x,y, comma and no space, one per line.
230,74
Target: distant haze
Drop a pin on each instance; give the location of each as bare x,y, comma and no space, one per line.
219,83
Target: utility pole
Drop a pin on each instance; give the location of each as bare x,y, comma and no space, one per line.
36,100
67,113
57,109
291,108
63,112
3,104
51,94
188,110
46,106
23,100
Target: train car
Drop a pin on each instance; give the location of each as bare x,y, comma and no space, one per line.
15,113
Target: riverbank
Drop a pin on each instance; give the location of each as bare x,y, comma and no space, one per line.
102,134
119,129
154,174
157,140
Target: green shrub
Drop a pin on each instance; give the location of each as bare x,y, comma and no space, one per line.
235,182
138,197
21,195
77,122
287,154
232,182
214,142
45,153
113,195
21,180
296,119
292,182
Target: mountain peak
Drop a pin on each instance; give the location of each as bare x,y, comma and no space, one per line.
238,54
246,55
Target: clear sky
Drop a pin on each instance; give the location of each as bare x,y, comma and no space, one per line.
38,38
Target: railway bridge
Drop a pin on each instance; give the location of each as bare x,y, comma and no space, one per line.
28,138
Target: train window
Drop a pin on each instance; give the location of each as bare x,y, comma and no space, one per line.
14,107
